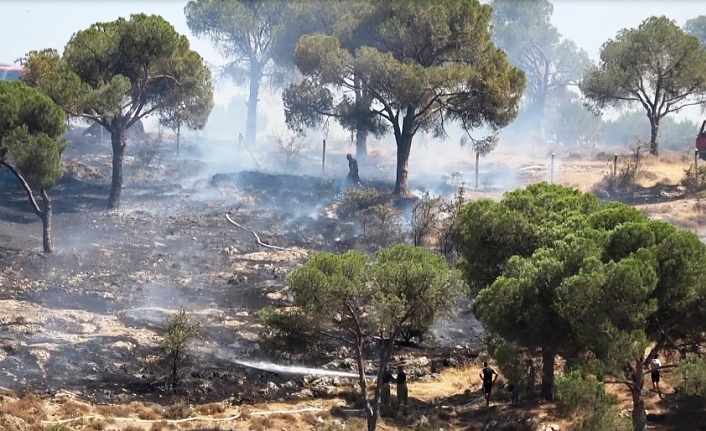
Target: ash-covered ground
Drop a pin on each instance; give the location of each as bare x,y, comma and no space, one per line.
88,318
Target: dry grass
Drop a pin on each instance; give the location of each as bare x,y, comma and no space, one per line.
30,408
179,410
72,409
451,382
114,410
210,409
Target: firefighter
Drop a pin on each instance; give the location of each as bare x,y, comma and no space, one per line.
385,392
402,391
353,176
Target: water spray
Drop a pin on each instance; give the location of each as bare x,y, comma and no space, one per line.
297,370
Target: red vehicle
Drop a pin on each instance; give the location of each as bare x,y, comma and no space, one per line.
701,141
10,72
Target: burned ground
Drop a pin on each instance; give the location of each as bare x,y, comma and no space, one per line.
88,319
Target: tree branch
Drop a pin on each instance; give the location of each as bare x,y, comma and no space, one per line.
25,186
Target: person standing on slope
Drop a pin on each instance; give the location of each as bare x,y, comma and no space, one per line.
489,376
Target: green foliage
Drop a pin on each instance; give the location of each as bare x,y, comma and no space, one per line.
180,331
361,296
510,361
656,65
355,200
286,333
375,212
142,59
697,27
583,397
490,233
689,377
577,393
30,133
381,226
398,284
116,73
603,418
588,281
394,51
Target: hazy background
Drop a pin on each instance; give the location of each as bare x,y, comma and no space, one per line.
28,25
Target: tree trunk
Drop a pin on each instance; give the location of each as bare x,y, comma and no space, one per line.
117,140
654,136
639,415
404,146
363,101
46,221
540,110
178,131
371,412
548,359
361,143
45,214
253,98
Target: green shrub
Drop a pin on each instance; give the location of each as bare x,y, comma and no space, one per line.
578,393
603,418
689,377
286,333
181,329
355,200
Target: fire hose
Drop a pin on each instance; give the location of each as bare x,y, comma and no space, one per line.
176,421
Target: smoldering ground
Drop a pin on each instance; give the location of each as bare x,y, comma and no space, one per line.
97,307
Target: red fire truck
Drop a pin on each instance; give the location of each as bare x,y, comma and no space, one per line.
10,72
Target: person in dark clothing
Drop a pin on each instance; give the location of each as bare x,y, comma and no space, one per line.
531,377
353,176
488,375
402,392
385,392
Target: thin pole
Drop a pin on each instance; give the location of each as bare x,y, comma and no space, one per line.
323,160
696,164
551,174
615,165
477,158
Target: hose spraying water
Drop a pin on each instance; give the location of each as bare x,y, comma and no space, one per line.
296,369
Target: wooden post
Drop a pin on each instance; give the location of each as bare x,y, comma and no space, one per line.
696,165
615,165
551,171
323,160
477,158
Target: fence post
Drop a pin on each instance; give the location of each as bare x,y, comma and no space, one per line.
696,165
615,165
323,160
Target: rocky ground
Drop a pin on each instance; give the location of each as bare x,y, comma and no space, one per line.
88,318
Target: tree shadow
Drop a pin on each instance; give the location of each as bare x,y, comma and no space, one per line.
69,196
683,412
